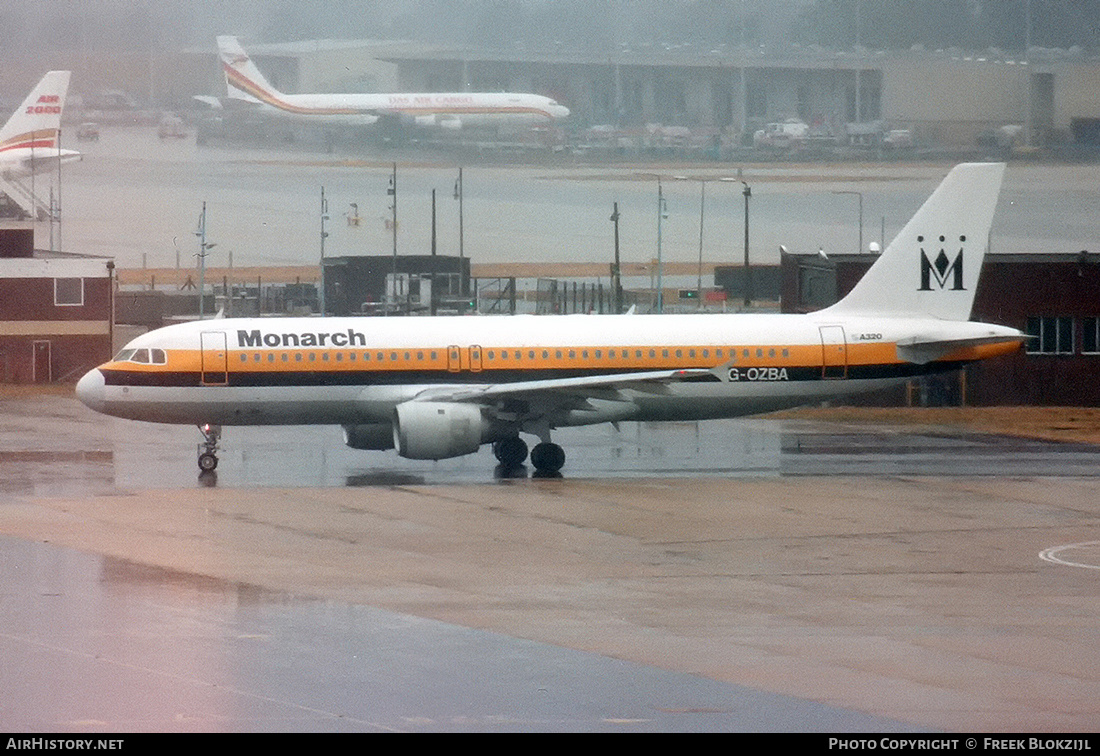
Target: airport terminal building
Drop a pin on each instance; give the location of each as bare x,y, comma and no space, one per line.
946,98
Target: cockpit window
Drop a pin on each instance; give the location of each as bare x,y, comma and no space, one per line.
143,356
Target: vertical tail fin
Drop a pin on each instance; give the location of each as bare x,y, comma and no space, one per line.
36,124
931,268
243,80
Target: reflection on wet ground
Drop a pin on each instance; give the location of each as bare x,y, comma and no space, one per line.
105,454
94,644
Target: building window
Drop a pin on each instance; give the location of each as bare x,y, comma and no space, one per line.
1050,335
68,292
1090,335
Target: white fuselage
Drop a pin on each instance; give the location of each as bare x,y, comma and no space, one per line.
466,109
357,370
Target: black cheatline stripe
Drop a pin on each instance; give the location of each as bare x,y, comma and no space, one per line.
260,379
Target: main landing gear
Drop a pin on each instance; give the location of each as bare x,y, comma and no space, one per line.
547,457
208,449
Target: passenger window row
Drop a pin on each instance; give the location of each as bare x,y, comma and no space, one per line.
517,355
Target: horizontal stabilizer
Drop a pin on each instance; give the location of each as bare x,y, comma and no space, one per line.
211,102
921,350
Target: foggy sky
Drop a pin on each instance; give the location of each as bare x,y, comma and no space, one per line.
34,27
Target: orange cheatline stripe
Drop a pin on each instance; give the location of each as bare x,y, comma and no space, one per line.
556,358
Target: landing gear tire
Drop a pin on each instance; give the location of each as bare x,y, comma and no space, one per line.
510,452
548,457
208,449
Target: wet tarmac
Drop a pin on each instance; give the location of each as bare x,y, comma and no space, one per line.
749,575
58,447
98,645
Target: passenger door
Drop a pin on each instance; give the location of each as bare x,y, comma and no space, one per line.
834,352
215,358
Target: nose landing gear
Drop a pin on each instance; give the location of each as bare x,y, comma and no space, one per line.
208,449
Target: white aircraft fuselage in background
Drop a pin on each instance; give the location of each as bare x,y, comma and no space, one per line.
441,387
247,88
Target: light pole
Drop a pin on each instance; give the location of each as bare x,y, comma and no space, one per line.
747,191
204,247
324,235
1027,74
616,269
702,206
859,249
859,62
431,292
702,214
461,252
391,190
662,213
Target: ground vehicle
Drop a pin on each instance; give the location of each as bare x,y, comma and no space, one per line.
171,127
786,135
88,132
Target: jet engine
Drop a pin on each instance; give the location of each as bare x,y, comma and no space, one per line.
372,437
438,430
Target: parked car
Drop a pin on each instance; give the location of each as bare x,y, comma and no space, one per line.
898,139
171,127
88,132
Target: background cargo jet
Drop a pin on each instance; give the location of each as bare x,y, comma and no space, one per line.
441,387
248,88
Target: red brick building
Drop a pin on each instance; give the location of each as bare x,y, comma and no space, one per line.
55,310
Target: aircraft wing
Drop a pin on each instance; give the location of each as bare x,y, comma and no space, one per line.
597,386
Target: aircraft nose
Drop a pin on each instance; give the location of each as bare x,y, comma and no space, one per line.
90,390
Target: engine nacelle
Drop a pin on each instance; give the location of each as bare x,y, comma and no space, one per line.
438,430
372,437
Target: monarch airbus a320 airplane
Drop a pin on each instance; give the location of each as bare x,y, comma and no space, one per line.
441,387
